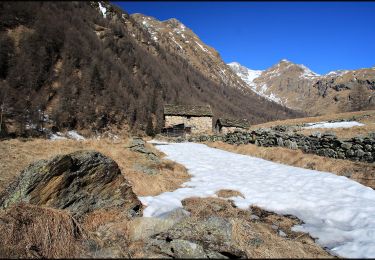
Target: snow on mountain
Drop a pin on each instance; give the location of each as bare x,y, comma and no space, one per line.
245,74
103,10
336,73
307,73
249,76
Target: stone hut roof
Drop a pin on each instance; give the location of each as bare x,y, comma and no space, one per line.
231,122
183,110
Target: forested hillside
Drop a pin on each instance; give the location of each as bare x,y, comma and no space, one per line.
66,65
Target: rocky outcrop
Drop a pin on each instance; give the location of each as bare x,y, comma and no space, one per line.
328,145
216,228
79,182
191,238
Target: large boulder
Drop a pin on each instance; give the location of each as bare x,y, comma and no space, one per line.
80,182
197,238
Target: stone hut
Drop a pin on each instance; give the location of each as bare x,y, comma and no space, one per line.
225,125
189,119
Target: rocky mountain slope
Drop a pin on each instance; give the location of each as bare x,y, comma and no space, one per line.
89,65
296,86
177,38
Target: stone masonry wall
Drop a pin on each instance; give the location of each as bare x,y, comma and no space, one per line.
328,145
199,125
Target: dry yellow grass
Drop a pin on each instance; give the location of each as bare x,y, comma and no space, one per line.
15,155
37,232
228,193
363,173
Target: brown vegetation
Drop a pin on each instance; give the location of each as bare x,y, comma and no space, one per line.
363,173
228,193
256,231
17,154
36,232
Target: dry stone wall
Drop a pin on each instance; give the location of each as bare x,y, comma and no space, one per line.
328,145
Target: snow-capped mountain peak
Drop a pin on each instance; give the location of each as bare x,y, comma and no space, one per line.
249,76
244,73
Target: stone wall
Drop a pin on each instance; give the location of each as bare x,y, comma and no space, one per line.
328,145
199,125
226,130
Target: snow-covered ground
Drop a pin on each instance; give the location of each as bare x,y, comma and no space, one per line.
347,124
336,210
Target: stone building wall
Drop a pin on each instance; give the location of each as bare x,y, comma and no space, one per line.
198,124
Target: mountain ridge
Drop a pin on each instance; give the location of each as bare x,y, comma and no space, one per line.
297,87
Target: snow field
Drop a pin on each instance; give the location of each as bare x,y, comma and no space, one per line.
347,124
337,211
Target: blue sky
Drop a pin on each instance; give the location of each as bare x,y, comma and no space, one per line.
324,36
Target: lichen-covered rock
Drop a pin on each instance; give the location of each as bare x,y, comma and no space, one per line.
194,238
80,182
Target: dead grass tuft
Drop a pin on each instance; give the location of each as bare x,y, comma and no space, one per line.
363,173
205,207
32,231
228,193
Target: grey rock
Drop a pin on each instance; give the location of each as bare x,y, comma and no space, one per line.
359,153
79,182
280,141
214,234
317,134
346,145
368,147
341,155
357,147
350,153
143,228
290,144
327,152
255,217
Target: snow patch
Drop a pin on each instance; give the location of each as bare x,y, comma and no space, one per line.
244,73
74,135
336,73
57,136
69,135
103,10
347,124
173,39
337,211
203,48
307,73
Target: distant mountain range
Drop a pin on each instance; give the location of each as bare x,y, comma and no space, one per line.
297,87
